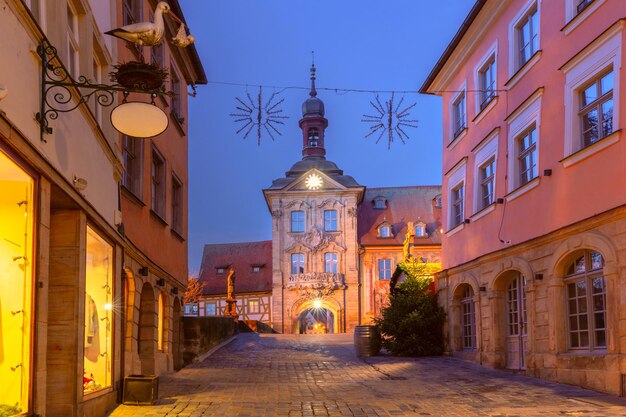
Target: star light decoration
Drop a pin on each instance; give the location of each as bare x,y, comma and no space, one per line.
254,114
391,119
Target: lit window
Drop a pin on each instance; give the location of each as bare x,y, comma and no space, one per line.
158,184
527,156
527,36
487,82
384,231
297,263
468,321
457,212
330,220
384,269
458,115
330,262
487,175
297,221
177,205
210,309
596,109
98,301
132,152
253,307
586,302
314,137
160,321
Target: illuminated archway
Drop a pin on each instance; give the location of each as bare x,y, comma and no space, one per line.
316,316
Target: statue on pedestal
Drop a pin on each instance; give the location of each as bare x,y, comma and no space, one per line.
231,301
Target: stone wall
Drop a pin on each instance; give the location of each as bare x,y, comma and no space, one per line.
204,333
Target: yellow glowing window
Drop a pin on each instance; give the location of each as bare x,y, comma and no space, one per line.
160,323
16,243
98,348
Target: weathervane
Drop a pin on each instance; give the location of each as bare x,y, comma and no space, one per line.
264,117
391,118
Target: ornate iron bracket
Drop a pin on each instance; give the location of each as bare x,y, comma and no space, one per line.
60,93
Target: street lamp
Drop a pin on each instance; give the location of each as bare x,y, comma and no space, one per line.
132,118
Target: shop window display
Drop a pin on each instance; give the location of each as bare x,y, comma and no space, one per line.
16,254
98,314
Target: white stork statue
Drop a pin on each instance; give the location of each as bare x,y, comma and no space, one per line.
146,33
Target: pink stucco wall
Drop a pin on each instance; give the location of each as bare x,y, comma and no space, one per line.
593,185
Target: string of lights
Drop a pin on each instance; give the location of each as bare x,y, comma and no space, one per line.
342,90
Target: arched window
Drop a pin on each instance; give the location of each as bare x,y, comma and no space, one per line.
468,320
314,137
586,302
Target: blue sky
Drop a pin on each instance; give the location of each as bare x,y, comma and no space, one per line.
365,44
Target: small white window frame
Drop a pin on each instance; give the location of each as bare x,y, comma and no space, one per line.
603,53
455,178
523,118
514,62
461,91
491,52
488,149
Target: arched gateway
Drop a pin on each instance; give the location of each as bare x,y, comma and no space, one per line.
316,316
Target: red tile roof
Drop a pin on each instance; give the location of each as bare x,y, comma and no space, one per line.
242,257
404,204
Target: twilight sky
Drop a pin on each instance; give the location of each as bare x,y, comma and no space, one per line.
358,44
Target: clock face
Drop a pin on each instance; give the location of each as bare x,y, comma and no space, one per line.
313,182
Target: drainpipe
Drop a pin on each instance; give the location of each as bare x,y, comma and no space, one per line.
282,300
360,252
123,277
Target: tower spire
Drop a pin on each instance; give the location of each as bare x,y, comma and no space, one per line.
313,92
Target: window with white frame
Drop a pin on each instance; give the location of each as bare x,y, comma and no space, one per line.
526,36
384,231
297,263
73,36
526,155
210,309
596,108
36,8
486,174
384,269
456,203
97,70
524,143
330,262
487,82
157,183
485,163
459,115
455,209
586,302
420,230
132,155
468,320
591,101
254,307
330,220
297,221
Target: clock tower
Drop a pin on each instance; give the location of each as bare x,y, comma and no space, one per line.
315,277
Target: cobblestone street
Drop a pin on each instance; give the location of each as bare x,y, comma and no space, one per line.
287,375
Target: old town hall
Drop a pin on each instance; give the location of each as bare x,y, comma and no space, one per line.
335,244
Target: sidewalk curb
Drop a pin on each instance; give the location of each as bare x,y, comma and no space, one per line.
208,353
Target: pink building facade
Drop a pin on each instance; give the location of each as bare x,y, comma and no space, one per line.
534,189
